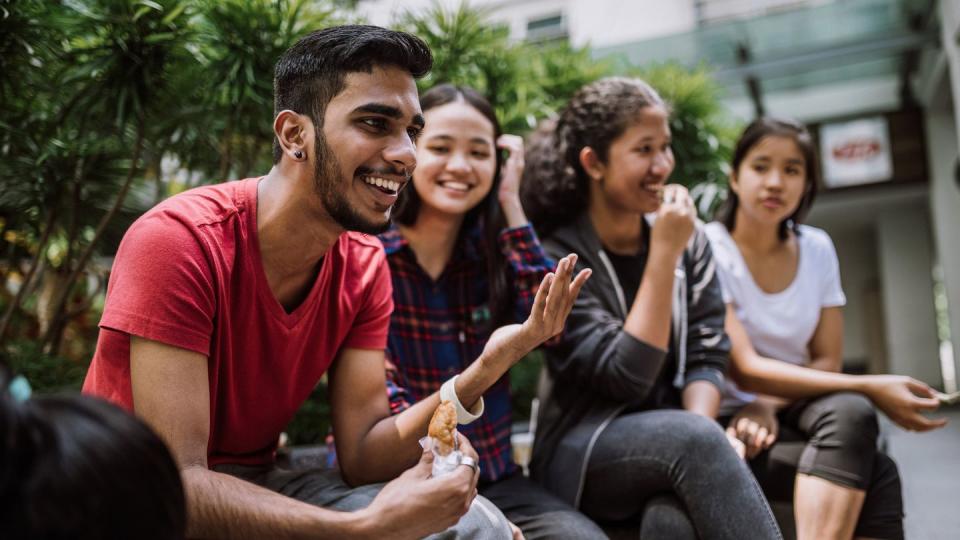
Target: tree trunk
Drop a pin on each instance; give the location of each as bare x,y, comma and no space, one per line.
34,265
51,339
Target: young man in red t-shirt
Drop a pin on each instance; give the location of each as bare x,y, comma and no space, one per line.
227,304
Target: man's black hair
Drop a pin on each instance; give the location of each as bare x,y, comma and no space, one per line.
313,70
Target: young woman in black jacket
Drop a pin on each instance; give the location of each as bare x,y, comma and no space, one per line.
626,430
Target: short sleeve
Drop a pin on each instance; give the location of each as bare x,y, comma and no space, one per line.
720,246
831,288
372,322
162,285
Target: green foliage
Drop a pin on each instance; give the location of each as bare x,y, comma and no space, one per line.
523,384
312,422
524,82
528,82
240,41
101,92
46,373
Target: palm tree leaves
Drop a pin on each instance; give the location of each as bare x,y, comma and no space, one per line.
238,43
524,82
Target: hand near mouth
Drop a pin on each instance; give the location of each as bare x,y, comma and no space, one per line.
675,223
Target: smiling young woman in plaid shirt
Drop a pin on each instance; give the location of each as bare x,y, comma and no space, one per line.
464,262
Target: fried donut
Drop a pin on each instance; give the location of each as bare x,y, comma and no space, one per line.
443,427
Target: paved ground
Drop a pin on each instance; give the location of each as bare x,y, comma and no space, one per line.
930,467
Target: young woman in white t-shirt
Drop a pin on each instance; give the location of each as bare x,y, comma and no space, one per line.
812,434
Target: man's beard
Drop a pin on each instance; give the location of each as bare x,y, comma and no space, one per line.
325,174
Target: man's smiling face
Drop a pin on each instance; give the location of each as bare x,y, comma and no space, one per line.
365,149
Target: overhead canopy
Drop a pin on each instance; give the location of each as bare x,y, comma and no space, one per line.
793,49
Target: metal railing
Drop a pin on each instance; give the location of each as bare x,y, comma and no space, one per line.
714,11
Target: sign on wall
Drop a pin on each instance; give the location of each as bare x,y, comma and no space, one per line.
856,152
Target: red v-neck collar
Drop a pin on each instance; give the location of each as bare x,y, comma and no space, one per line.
267,299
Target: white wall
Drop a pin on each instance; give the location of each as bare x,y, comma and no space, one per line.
598,22
612,22
856,249
943,148
882,238
945,211
905,251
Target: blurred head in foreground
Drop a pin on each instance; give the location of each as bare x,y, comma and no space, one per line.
73,467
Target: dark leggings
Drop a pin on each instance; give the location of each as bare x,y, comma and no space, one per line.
676,474
834,437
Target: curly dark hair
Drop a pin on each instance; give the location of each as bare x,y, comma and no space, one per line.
758,130
555,186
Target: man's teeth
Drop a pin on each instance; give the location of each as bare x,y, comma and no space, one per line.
392,185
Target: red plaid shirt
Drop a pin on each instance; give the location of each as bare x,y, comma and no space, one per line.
439,327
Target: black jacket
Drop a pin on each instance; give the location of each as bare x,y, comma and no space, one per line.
596,371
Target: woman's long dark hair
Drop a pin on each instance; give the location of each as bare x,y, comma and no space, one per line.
758,130
555,187
488,212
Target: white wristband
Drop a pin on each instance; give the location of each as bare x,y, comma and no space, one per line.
449,393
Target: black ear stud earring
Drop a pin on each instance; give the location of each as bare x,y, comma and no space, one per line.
298,154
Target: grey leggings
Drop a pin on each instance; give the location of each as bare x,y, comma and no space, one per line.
676,474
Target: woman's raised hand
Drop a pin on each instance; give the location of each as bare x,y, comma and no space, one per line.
511,172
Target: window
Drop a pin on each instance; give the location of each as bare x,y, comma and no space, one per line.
547,28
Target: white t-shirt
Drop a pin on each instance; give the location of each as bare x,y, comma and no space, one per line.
780,325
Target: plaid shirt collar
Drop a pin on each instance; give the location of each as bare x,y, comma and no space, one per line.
394,241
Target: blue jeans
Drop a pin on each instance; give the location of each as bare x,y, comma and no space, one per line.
675,475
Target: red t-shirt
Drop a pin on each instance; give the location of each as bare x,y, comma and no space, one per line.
188,273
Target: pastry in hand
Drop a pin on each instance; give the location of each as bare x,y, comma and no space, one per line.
443,428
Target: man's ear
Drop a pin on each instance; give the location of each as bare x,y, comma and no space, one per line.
591,163
292,130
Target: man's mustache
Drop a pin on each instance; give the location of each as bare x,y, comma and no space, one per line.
382,171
